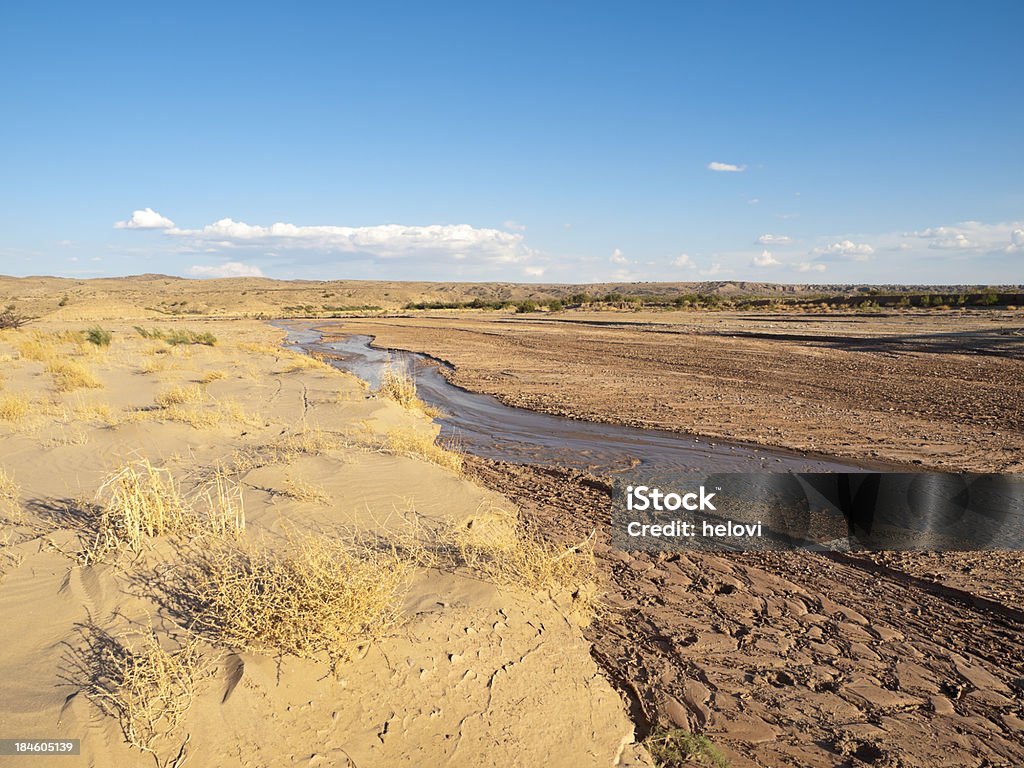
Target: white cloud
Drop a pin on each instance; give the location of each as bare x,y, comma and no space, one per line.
229,269
386,241
683,260
618,258
810,266
765,260
715,269
973,237
147,218
726,167
515,226
534,271
847,249
943,238
769,239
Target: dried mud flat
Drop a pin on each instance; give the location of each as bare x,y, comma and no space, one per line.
799,659
928,389
782,659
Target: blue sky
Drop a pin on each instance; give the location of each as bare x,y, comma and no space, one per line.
784,141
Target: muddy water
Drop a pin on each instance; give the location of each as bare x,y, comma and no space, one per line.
482,425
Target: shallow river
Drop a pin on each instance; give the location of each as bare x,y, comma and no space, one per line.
482,425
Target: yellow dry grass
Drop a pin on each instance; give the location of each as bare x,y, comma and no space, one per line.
193,405
296,361
138,502
497,544
9,489
225,506
399,384
94,412
421,445
154,365
317,596
180,395
313,441
14,407
40,347
260,349
217,413
214,375
69,375
146,687
295,488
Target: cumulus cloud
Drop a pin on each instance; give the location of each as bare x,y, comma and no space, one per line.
147,218
714,269
770,239
810,266
533,271
726,167
617,257
229,269
972,237
847,249
386,241
515,226
683,260
765,260
944,238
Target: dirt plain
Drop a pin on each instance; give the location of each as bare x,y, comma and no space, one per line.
934,389
782,659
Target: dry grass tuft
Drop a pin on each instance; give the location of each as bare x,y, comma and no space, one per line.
146,687
215,375
225,505
399,384
296,361
303,491
677,746
138,502
260,349
496,544
9,489
216,414
14,407
95,412
154,365
192,405
69,375
421,445
312,441
181,395
317,596
39,346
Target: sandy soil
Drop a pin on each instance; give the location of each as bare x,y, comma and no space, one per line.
928,389
475,674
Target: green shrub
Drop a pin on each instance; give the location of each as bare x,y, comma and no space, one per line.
98,336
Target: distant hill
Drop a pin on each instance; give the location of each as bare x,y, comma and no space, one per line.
152,296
